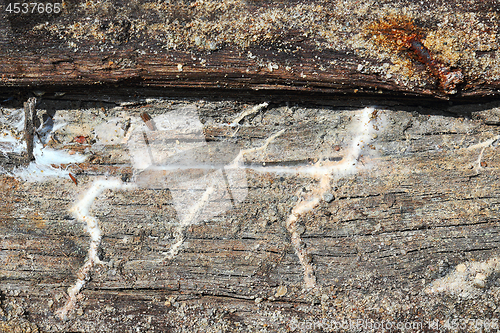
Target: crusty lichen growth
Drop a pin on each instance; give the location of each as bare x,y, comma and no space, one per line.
467,279
469,41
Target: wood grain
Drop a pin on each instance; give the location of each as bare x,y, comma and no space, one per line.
422,203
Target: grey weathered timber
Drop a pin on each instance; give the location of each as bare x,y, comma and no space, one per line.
421,205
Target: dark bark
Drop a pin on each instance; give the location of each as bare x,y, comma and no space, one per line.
310,46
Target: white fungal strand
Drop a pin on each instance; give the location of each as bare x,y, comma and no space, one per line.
201,198
325,172
81,211
188,220
195,212
248,112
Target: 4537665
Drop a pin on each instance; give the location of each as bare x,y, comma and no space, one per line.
34,8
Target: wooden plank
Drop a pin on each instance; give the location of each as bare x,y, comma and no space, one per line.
410,235
349,47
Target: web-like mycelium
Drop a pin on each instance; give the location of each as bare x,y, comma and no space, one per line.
324,171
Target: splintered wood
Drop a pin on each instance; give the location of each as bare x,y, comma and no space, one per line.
30,118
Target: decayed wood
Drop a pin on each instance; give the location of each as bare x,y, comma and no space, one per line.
421,206
306,45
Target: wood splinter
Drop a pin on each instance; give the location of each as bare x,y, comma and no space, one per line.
73,179
149,122
151,125
30,119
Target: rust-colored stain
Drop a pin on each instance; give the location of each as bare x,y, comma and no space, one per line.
401,34
73,179
80,139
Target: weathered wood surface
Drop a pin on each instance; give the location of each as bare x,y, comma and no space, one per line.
306,45
421,205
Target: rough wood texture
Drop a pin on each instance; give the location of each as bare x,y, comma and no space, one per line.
421,205
306,45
